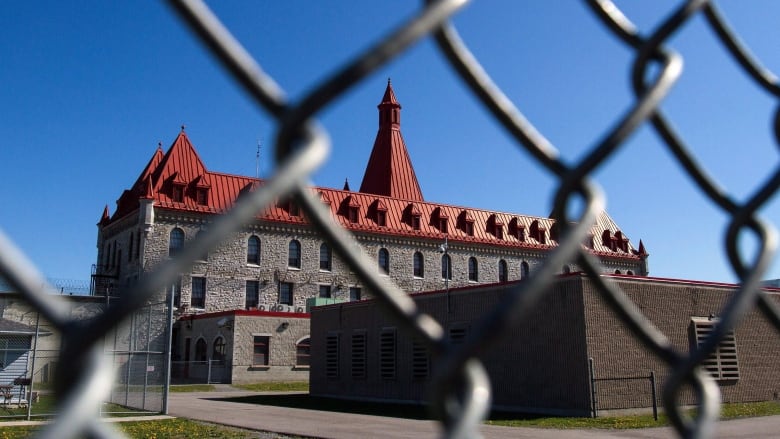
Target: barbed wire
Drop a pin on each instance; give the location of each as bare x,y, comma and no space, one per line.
462,392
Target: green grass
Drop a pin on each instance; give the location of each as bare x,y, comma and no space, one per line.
281,386
728,411
193,388
163,429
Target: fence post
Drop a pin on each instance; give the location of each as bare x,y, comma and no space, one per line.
208,374
169,347
593,404
32,366
652,388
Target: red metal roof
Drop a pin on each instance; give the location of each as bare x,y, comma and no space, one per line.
405,215
389,171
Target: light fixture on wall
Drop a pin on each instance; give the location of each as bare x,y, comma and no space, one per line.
283,326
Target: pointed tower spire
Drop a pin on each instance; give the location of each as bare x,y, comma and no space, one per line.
105,217
389,171
642,251
346,184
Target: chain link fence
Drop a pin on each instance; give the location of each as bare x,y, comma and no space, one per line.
462,398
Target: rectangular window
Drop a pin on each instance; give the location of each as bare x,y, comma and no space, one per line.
359,354
202,195
416,222
722,364
198,299
387,354
252,294
325,291
285,293
499,232
294,209
175,291
420,360
353,214
332,356
381,218
470,228
443,225
354,293
178,193
260,354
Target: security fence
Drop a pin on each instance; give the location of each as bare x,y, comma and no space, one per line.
462,395
30,358
200,372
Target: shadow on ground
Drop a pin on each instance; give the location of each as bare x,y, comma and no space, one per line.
395,410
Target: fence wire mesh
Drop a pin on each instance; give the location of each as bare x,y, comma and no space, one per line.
463,396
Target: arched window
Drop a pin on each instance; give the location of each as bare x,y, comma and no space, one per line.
253,250
503,274
419,266
446,267
201,350
325,257
294,255
525,271
473,270
218,354
176,241
566,269
303,352
617,271
630,273
384,261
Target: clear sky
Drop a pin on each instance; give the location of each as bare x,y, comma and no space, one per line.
88,89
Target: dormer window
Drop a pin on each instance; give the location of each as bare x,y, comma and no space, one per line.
177,193
443,225
411,216
353,214
496,226
416,222
469,228
202,196
439,220
381,218
499,231
294,209
516,229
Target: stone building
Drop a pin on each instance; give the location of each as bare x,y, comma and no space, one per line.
571,356
279,262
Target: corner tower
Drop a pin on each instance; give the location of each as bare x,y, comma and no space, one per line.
389,171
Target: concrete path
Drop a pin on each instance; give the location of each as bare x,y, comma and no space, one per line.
211,407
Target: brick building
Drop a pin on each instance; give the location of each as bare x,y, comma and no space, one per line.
543,364
279,262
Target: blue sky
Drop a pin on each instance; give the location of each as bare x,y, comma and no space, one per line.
88,89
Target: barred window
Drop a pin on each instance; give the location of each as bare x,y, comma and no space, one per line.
303,352
503,274
446,267
384,261
387,353
325,257
359,355
722,364
354,293
198,297
219,350
325,291
294,255
419,265
252,294
253,250
473,270
176,241
285,293
260,352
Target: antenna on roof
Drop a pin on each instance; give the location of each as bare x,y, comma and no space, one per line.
257,160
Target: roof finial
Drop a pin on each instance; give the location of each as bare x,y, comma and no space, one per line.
388,80
183,127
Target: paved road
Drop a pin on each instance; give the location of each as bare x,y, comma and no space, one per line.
210,406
